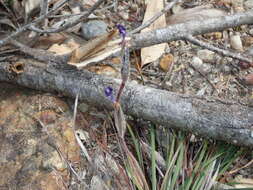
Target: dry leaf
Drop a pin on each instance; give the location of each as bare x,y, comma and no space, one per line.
107,70
196,13
17,8
109,49
45,42
60,49
135,171
244,182
30,5
248,79
166,61
89,2
8,22
98,57
115,60
75,9
92,47
152,53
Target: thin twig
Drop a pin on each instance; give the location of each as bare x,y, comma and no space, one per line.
78,140
22,29
44,11
40,54
8,9
83,16
244,166
204,76
44,7
154,18
168,74
227,53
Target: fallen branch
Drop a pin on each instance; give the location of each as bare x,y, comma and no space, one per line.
208,117
186,30
196,27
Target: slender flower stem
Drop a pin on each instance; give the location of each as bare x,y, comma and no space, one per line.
125,70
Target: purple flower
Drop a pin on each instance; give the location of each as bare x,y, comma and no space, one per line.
122,30
109,93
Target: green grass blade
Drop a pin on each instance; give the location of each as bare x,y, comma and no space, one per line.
136,146
153,158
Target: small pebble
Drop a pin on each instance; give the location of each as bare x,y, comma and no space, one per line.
251,31
83,107
196,62
206,68
93,28
250,51
236,42
206,55
226,69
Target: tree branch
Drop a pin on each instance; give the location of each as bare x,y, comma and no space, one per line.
196,27
205,116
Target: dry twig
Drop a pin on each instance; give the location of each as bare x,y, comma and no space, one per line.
154,18
22,29
44,10
40,54
224,52
80,18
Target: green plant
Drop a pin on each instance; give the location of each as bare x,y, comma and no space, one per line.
188,165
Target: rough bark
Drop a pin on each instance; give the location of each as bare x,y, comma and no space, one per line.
231,122
196,27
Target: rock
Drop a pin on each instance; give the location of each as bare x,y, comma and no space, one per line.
248,4
250,51
93,28
206,68
196,62
226,69
236,42
206,55
251,31
83,107
32,125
